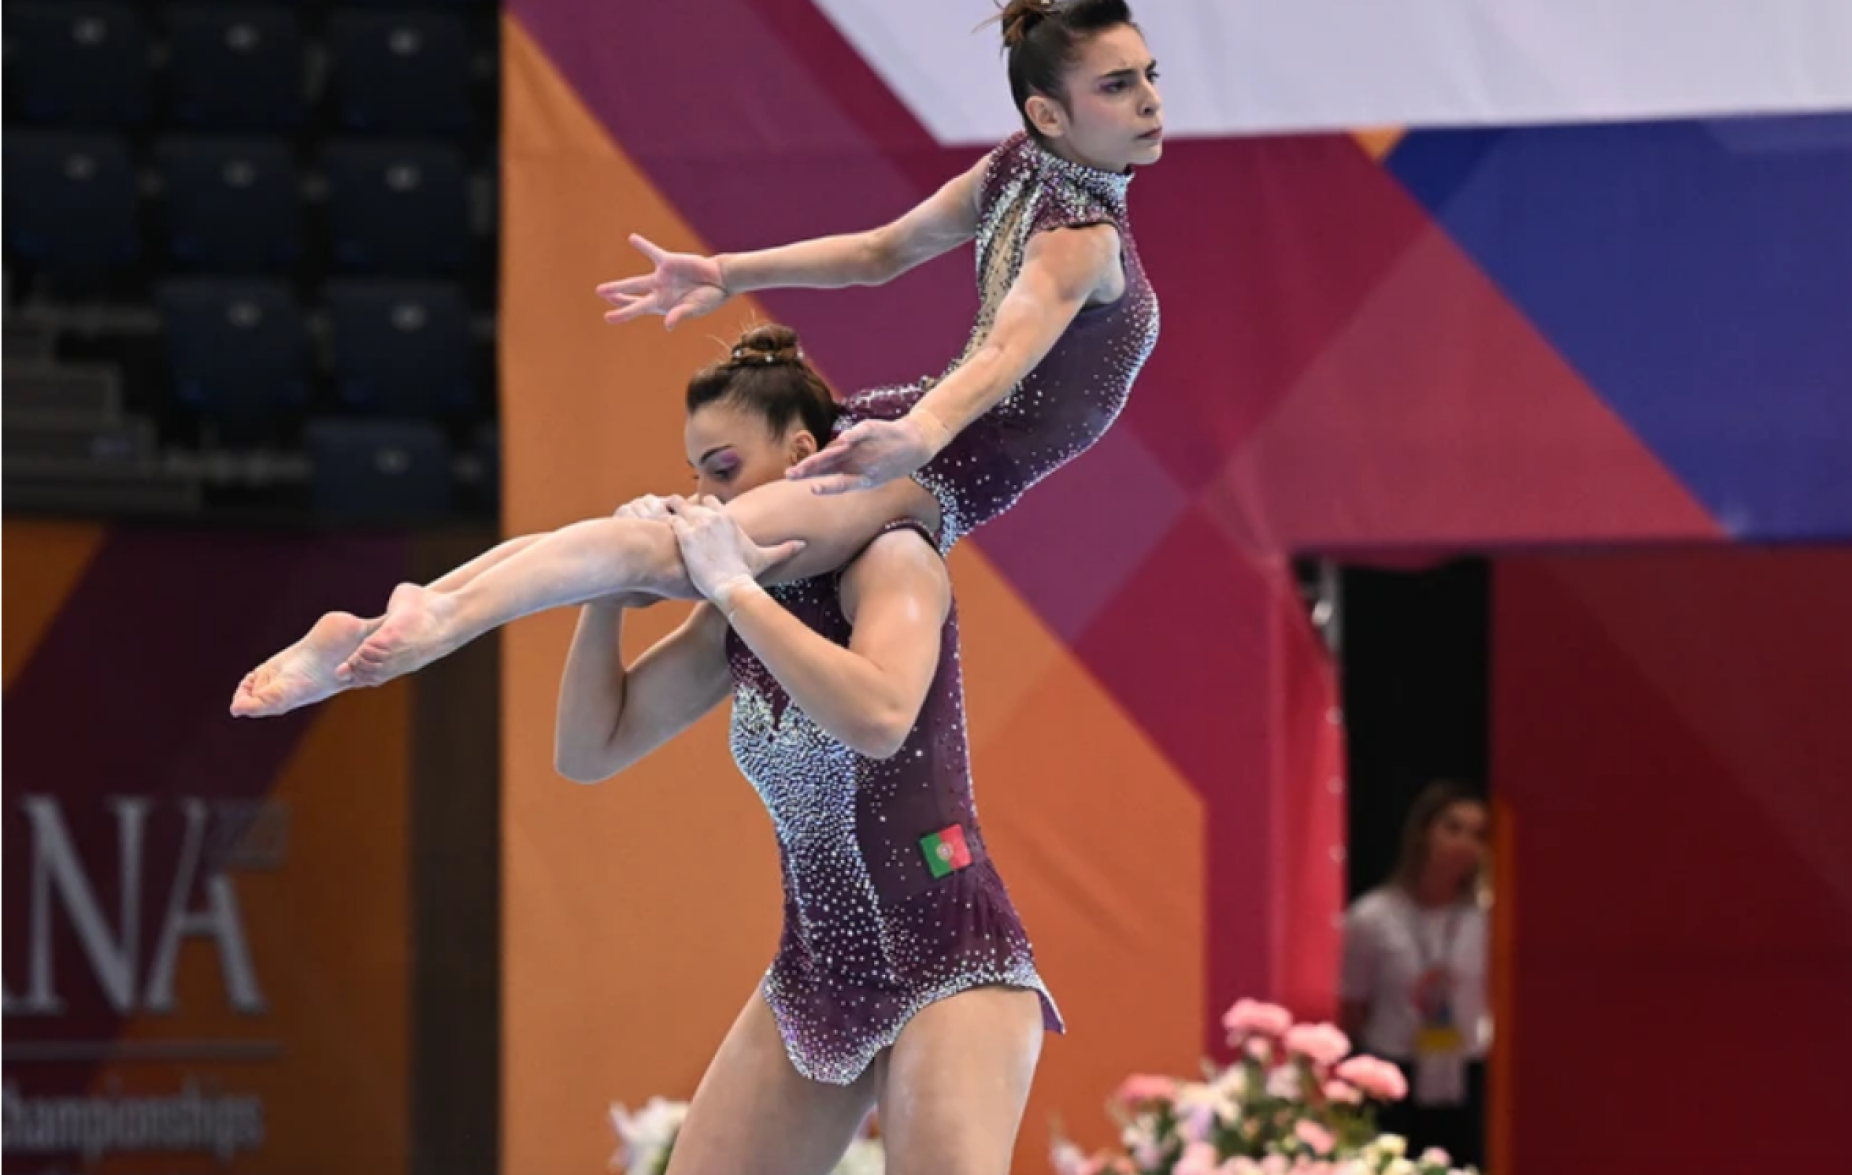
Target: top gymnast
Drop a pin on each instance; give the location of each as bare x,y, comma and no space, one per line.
1066,320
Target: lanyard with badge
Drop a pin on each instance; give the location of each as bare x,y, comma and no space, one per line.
1440,1042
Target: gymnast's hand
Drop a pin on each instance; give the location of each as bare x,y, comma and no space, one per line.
648,508
719,555
871,453
683,285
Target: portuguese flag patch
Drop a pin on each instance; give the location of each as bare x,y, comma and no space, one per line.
946,850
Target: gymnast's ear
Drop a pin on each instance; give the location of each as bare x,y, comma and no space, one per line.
800,443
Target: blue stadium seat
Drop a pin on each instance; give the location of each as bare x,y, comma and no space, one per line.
401,349
76,65
379,470
399,209
71,206
237,353
232,205
400,73
236,69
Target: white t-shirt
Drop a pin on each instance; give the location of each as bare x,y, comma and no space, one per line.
1389,943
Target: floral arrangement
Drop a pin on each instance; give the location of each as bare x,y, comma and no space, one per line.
646,1137
1294,1102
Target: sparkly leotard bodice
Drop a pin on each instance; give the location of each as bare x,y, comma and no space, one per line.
1079,388
873,931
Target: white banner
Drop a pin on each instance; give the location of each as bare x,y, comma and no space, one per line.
1247,66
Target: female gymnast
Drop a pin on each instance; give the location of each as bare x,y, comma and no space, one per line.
903,979
1066,321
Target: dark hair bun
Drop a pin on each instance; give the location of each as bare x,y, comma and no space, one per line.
766,373
1043,38
1019,17
767,344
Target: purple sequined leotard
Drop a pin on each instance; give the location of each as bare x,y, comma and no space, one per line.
873,932
1075,393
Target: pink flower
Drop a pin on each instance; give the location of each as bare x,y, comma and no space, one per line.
1314,1136
1343,1093
1240,1165
1145,1087
1251,1018
1273,1165
1379,1079
1260,1048
1305,1166
1322,1044
1436,1157
1198,1158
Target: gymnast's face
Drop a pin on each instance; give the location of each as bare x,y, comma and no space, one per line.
732,448
1111,115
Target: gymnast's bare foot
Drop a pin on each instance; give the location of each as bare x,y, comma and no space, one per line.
415,632
304,673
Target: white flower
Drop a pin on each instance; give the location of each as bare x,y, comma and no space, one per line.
1233,1084
1190,1093
1400,1167
1198,1099
1391,1144
1139,1132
